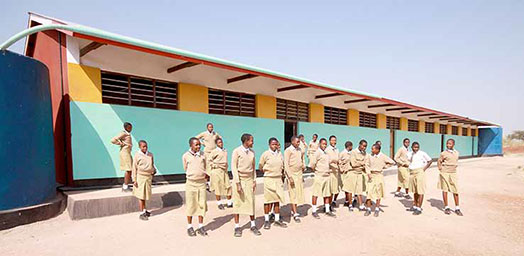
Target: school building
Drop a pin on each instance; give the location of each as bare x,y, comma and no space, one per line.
99,80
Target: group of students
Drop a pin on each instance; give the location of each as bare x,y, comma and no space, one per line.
352,171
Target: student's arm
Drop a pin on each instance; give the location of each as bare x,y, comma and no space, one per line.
211,160
254,174
313,161
367,167
286,165
389,162
200,136
134,171
234,167
205,166
439,162
117,140
153,163
354,161
262,162
430,161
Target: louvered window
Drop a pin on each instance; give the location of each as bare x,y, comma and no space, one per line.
413,125
464,131
292,110
335,116
138,91
393,123
443,129
368,120
454,130
430,128
231,103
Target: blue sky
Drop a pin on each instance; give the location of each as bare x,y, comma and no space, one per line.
463,57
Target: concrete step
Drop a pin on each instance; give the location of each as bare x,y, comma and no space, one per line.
25,215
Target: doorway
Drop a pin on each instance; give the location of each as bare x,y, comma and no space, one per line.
290,130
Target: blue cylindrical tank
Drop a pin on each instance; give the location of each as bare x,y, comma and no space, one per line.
27,167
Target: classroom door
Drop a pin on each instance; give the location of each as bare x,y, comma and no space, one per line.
290,130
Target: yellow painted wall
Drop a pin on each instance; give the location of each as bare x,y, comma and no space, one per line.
316,113
436,127
85,83
460,130
381,121
403,124
449,129
353,117
476,133
421,126
192,97
265,106
469,131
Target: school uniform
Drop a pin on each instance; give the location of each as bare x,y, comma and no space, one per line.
195,167
322,181
403,174
272,163
417,178
374,167
312,148
336,179
356,175
142,173
124,140
344,164
294,166
448,161
208,139
243,169
219,178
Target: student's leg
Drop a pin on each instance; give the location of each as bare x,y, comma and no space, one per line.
377,205
398,189
420,200
445,198
327,204
267,208
237,218
456,197
407,191
142,205
314,203
348,197
127,178
294,209
200,221
415,202
359,201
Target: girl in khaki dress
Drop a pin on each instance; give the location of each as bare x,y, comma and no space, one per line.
447,165
143,171
219,178
375,164
294,168
272,164
124,140
322,181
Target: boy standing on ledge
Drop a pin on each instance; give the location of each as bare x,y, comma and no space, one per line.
124,140
143,171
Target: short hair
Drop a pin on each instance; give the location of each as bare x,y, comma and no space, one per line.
332,136
348,144
245,137
272,139
208,124
362,142
316,135
218,139
415,143
142,142
405,140
378,142
377,146
293,138
452,140
323,139
191,140
301,136
126,124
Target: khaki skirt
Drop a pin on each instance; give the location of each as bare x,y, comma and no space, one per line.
353,182
322,186
244,203
220,184
143,189
403,176
126,161
417,181
273,190
296,193
375,186
336,182
196,201
448,182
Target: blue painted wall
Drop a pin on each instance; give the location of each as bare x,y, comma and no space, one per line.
429,142
490,141
166,131
27,176
463,144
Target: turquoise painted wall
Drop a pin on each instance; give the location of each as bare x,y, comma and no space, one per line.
167,132
464,144
429,142
345,133
476,146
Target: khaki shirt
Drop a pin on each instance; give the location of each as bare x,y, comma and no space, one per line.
377,163
401,157
333,158
293,160
143,164
243,163
218,159
272,163
448,161
194,165
313,146
358,159
344,161
303,147
124,140
208,138
320,163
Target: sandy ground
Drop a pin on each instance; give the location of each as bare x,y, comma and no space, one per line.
492,200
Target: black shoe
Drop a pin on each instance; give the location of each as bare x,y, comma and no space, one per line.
459,213
331,214
398,194
354,204
346,204
407,196
280,224
143,216
447,211
255,231
230,206
148,214
367,213
333,204
238,232
296,219
191,232
315,215
202,231
361,209
267,225
221,207
271,217
376,213
412,209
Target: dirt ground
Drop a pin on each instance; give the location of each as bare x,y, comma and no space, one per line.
492,200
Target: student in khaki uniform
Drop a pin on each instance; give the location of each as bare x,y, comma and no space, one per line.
401,157
272,163
344,163
124,140
244,180
219,178
356,176
294,169
322,181
447,165
208,138
375,164
313,146
419,162
302,146
336,179
196,203
143,171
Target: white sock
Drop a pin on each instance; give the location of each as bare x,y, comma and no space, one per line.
327,207
125,186
277,216
219,202
229,202
252,223
314,207
224,201
447,207
237,225
362,207
368,208
200,225
189,226
266,217
377,209
144,211
457,208
296,215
